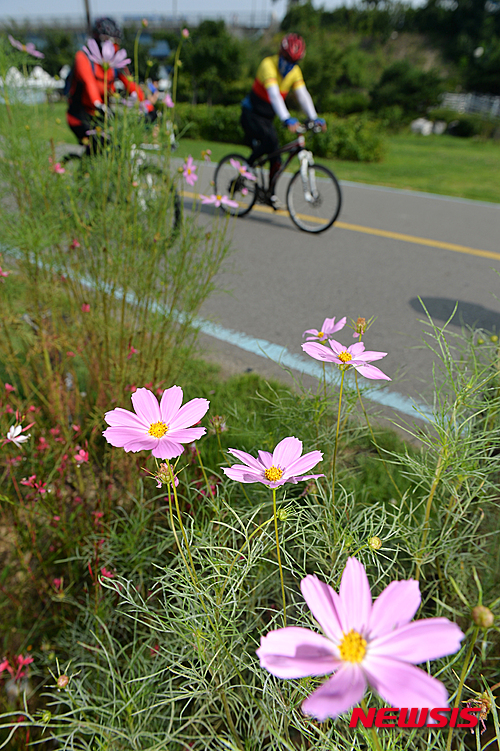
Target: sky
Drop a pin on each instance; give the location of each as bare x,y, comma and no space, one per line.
72,8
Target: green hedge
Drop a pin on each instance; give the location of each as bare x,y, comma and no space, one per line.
355,138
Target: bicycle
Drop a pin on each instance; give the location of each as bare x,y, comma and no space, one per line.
313,197
146,173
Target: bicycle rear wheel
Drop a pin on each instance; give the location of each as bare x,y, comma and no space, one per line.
231,181
314,203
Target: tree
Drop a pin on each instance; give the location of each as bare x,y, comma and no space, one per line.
213,58
410,88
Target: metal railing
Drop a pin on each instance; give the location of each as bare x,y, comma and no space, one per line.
482,104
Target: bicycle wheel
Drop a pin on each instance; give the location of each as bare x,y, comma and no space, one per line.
230,180
315,203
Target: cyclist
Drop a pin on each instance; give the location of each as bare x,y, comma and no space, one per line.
276,77
86,91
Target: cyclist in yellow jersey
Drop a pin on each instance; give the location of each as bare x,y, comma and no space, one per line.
276,77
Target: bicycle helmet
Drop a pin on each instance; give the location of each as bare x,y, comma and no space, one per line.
106,28
292,48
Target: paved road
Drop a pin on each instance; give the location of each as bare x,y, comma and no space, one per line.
281,281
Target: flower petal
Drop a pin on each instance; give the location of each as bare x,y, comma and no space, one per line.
303,463
240,473
168,449
170,403
118,436
189,414
186,435
394,607
369,356
140,443
325,605
370,371
428,639
248,459
286,452
266,459
296,652
338,694
120,417
403,685
146,406
314,332
355,595
319,352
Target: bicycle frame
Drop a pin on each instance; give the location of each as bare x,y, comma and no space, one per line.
294,147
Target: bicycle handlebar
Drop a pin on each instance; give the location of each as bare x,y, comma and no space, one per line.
308,125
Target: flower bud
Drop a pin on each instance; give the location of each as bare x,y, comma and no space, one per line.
62,681
145,23
47,716
482,616
375,543
494,338
185,33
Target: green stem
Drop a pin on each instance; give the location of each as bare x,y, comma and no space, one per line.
425,533
203,472
334,458
184,536
324,378
376,742
136,61
279,555
463,676
238,555
373,437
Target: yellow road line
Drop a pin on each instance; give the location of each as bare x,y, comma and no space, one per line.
381,233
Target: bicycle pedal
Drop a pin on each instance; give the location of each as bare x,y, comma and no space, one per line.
275,203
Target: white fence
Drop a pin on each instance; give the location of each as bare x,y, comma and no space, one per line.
482,104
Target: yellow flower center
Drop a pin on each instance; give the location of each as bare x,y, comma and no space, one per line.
321,334
157,429
219,198
344,356
273,474
352,647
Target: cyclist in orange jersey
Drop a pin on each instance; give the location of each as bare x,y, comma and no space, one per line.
276,77
88,80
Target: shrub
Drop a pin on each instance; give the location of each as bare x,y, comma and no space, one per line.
347,102
408,87
355,138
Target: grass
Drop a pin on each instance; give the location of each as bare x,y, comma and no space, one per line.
450,166
460,167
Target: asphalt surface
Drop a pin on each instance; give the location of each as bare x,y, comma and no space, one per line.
280,281
389,251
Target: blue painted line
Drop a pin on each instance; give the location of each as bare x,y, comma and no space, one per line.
261,347
280,355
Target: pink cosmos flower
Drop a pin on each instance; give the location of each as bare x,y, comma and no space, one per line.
241,169
85,307
185,33
29,47
160,428
4,273
107,57
364,643
189,171
168,101
329,327
75,244
347,357
206,154
57,167
285,464
9,388
107,574
219,201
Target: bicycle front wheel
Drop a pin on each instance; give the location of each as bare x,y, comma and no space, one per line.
314,203
235,179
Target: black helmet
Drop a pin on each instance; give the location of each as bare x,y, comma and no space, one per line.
106,28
